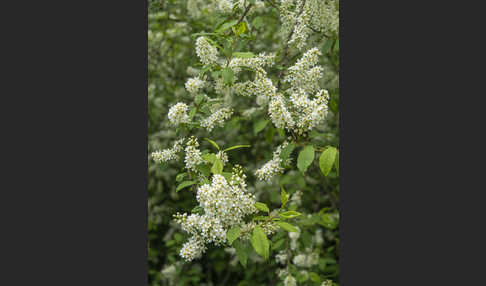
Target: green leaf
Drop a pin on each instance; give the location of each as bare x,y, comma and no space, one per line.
260,217
236,147
228,75
290,214
242,251
269,134
327,46
315,277
277,245
226,26
243,55
285,153
180,177
197,210
192,113
199,98
287,226
212,143
241,28
260,243
227,175
261,206
205,169
327,159
185,184
259,126
232,234
306,156
209,157
284,197
217,167
257,22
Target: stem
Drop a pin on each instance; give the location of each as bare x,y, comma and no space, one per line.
244,14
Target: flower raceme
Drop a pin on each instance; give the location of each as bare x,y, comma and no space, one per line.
225,204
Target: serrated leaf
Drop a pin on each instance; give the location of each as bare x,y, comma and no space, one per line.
284,197
305,159
226,26
287,226
212,143
327,159
285,153
228,75
243,55
259,126
290,214
217,167
260,243
232,234
261,206
236,147
242,251
185,184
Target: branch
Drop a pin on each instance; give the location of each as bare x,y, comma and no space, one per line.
244,14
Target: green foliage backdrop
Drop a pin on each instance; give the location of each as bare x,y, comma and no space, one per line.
309,183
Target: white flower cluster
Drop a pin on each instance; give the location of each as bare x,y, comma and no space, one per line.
297,198
327,283
224,204
272,167
193,154
306,260
294,239
300,17
290,281
222,156
168,154
205,51
178,114
192,249
169,271
217,118
281,257
301,114
254,63
193,85
262,86
225,6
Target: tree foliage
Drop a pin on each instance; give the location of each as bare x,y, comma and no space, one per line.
243,112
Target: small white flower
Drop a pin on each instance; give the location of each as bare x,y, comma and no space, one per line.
193,85
290,281
217,118
205,51
178,114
